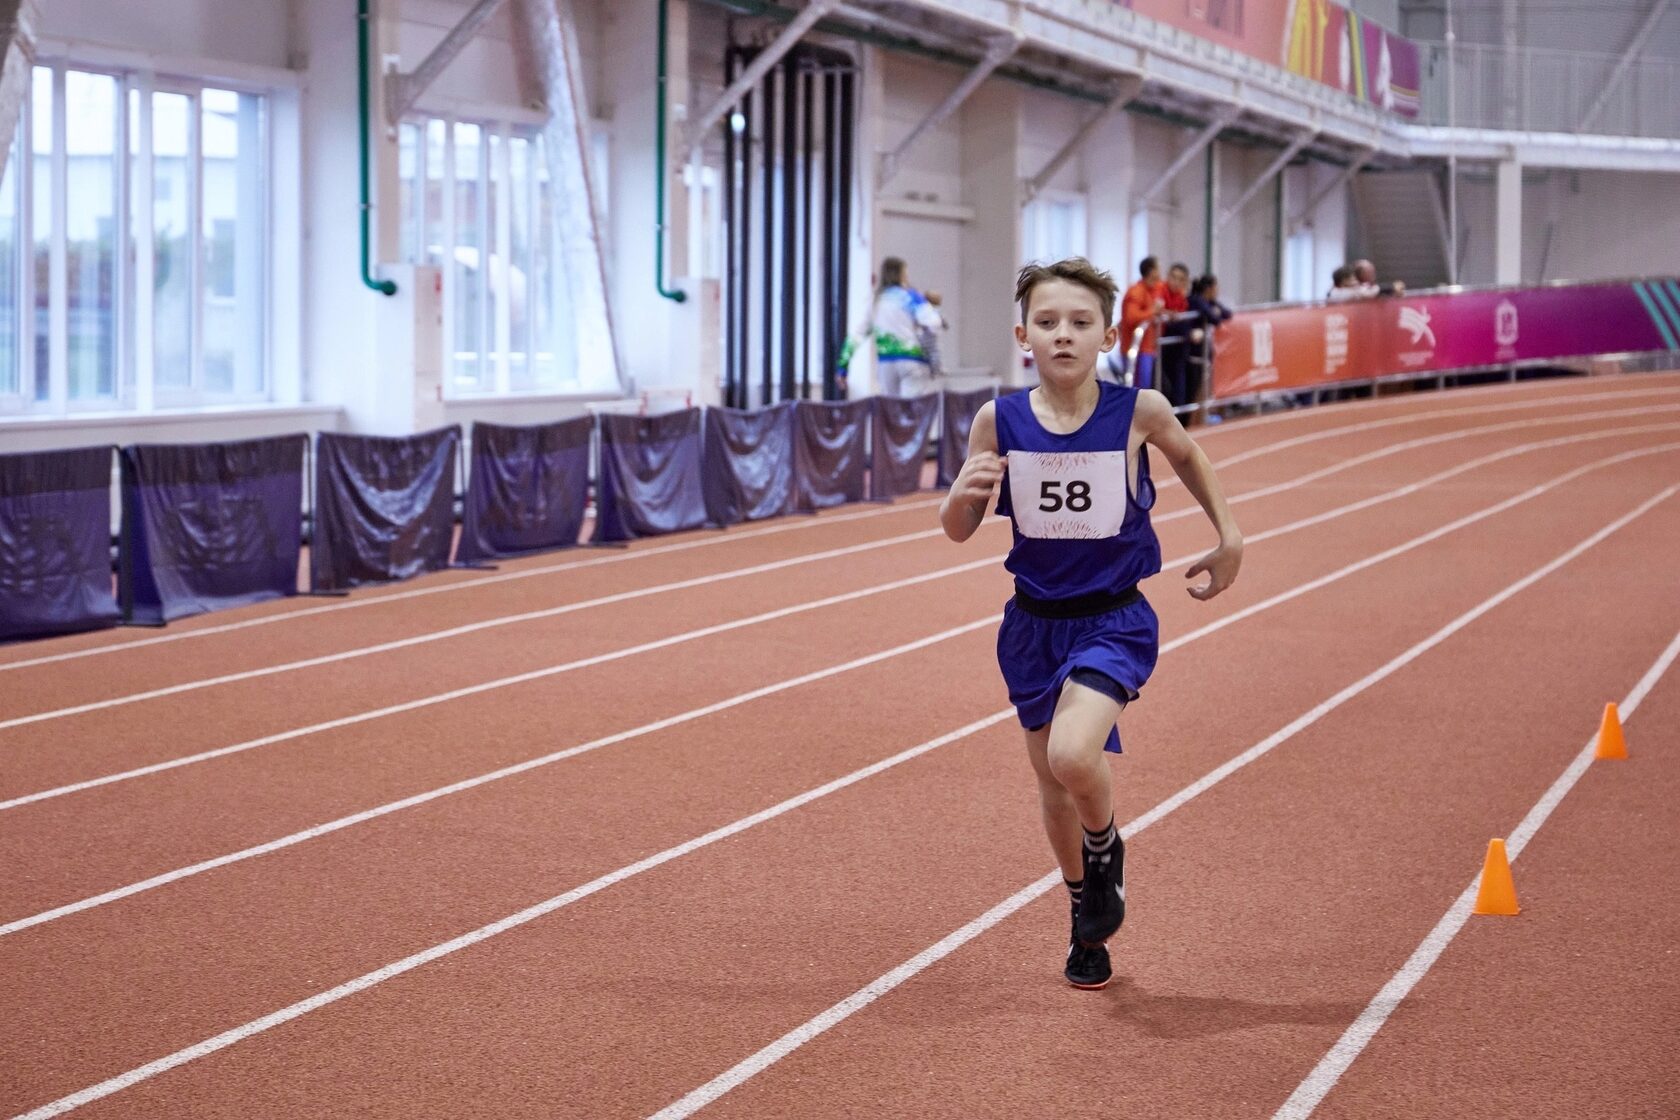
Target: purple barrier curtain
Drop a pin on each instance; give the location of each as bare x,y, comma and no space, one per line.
958,410
528,488
207,526
55,542
898,444
650,476
829,452
749,463
384,507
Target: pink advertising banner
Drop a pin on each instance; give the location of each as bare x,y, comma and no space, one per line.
1322,344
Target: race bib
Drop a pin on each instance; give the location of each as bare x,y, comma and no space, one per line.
1075,495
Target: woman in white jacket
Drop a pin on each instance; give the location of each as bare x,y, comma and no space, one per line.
905,326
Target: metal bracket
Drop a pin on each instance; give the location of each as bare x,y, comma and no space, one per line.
755,71
1254,188
402,91
997,53
1124,92
1203,138
1340,181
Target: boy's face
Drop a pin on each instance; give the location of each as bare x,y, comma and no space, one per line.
1065,331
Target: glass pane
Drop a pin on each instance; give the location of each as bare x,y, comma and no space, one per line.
436,163
408,169
11,312
172,282
520,373
552,359
466,273
234,230
91,108
41,136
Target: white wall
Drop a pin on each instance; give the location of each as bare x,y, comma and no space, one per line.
252,32
1320,246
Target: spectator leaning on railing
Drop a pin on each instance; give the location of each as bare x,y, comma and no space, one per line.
1145,302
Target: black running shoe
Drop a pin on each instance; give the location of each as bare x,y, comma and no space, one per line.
1087,965
1102,905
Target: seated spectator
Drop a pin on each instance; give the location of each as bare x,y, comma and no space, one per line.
1343,286
1365,278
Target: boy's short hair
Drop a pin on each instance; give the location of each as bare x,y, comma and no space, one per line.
1075,270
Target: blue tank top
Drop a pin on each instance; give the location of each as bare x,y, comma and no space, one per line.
1079,528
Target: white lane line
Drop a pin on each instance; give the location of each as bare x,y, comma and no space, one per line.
760,569
371,598
466,940
411,705
1411,418
375,599
1317,1084
1370,404
484,779
812,1028
1444,437
502,682
858,1000
470,628
178,874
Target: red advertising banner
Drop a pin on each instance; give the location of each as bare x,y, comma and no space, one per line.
1323,344
1318,39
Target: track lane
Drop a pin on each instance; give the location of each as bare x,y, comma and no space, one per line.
1543,516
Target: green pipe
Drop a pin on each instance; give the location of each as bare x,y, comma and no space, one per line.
386,287
659,154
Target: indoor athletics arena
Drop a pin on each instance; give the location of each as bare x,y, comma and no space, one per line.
805,559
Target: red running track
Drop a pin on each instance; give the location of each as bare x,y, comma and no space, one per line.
595,889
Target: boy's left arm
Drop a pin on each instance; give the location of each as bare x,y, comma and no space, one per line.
1162,430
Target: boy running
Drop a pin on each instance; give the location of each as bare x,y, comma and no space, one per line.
1078,640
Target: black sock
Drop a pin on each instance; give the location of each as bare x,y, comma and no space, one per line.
1099,842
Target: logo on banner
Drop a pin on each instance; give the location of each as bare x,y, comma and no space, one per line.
1335,343
1415,322
1260,353
1505,329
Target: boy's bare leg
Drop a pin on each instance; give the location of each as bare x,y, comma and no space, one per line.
1078,731
1061,816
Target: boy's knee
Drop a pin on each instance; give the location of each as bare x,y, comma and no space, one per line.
1069,757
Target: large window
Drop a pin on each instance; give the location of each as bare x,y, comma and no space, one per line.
133,244
476,203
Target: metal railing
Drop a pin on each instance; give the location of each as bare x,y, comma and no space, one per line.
1536,90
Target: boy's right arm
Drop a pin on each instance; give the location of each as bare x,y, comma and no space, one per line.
976,485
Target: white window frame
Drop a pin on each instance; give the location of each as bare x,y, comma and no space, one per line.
134,379
495,327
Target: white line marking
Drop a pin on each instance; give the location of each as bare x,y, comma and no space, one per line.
485,779
1317,1084
373,599
472,628
760,569
1439,438
503,682
868,995
1167,565
863,997
512,921
1411,418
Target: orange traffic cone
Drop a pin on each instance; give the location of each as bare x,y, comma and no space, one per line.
1497,894
1610,741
